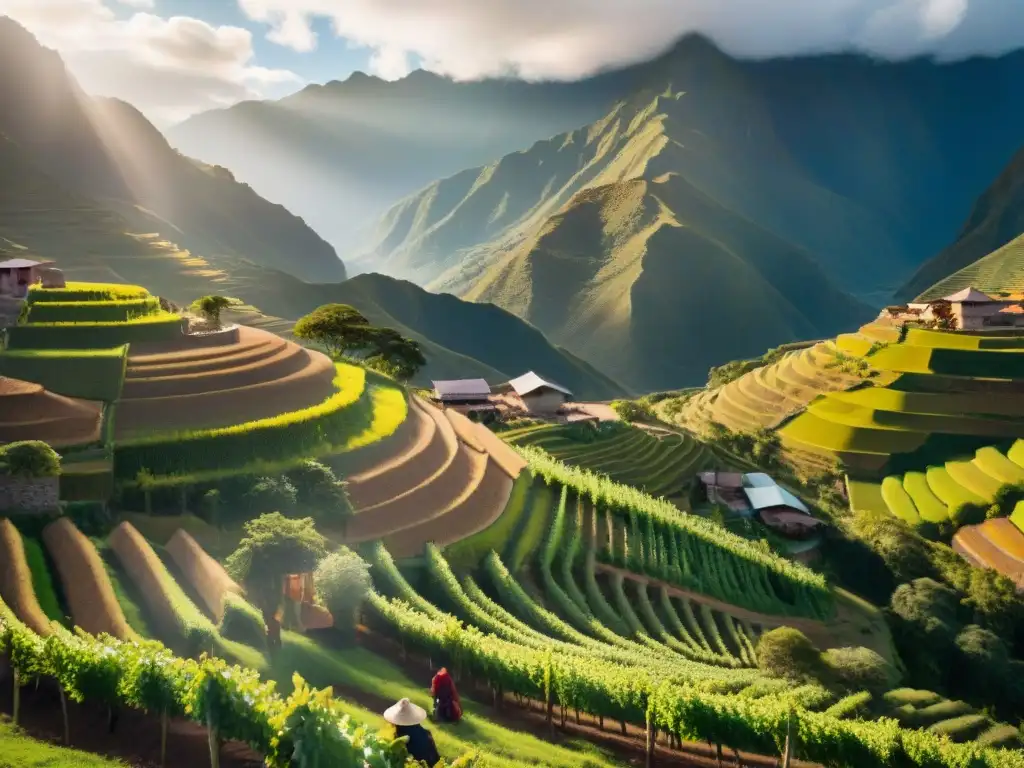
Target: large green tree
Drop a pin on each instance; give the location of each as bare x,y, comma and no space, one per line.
274,547
210,307
343,330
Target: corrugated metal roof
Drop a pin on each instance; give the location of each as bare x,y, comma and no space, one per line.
530,382
758,480
462,388
21,263
763,498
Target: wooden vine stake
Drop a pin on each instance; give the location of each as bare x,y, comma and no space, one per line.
64,712
649,747
214,740
17,693
163,738
787,753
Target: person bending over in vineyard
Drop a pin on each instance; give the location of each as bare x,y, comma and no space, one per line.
447,706
406,717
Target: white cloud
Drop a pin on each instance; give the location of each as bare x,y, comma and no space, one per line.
167,67
564,39
147,4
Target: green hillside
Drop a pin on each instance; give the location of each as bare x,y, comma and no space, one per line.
988,252
106,151
617,238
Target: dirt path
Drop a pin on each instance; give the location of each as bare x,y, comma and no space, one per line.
529,716
135,740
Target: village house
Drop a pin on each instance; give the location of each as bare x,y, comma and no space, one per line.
537,396
461,391
16,275
756,493
969,309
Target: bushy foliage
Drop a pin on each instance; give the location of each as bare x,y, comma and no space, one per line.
241,622
319,491
632,410
788,653
210,307
272,548
270,494
860,669
29,458
342,581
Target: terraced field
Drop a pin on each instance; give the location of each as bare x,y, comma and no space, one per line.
939,493
767,396
241,375
661,465
936,395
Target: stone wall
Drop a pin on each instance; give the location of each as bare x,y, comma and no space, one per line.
41,494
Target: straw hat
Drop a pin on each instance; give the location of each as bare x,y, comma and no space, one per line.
405,713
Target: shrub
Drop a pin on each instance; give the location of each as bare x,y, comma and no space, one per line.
270,494
29,458
787,652
342,580
319,490
242,622
969,514
632,410
210,307
860,669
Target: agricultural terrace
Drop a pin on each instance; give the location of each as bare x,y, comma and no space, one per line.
767,395
661,465
631,647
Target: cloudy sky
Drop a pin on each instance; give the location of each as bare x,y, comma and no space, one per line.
172,58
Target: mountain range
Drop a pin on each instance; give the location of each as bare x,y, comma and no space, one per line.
989,251
93,185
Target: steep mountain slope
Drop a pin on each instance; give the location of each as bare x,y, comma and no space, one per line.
40,217
643,220
988,252
106,151
865,164
341,153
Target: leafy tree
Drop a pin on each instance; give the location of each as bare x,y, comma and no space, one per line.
274,547
343,580
996,604
907,555
789,653
319,490
983,664
340,328
394,354
210,307
29,458
860,669
924,619
270,494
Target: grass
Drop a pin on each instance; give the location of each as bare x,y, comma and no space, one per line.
357,668
532,529
82,291
42,581
125,591
98,373
18,750
117,311
470,552
159,326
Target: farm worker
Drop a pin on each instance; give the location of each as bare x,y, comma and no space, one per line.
447,706
406,717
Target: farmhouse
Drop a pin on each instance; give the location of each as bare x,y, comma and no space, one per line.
969,309
756,493
461,391
16,275
538,395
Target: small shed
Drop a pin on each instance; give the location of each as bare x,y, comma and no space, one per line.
457,391
16,275
539,395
